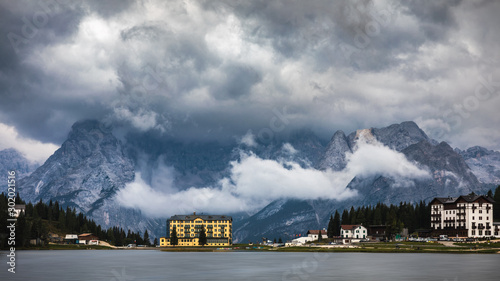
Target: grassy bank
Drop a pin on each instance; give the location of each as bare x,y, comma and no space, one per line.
407,247
65,247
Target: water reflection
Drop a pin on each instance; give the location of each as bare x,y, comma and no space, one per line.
156,265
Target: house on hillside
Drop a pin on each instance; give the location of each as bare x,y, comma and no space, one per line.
18,209
353,233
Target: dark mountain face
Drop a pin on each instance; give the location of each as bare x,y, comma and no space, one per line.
202,164
449,170
335,156
89,166
282,218
195,164
85,173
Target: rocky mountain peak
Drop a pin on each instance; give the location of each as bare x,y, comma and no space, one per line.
85,173
85,128
485,164
89,141
449,169
475,152
88,166
11,159
335,154
400,136
363,136
395,136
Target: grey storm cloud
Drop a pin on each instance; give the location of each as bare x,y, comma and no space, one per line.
216,69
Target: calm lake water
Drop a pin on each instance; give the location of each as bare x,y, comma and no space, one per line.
125,265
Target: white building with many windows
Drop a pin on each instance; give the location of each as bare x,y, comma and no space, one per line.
464,216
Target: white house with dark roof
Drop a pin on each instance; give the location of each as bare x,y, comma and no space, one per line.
464,216
353,233
18,209
314,234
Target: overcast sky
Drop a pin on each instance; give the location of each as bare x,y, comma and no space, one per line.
215,69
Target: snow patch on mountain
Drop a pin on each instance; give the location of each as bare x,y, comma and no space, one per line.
38,185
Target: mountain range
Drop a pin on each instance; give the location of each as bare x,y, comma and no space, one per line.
93,165
449,175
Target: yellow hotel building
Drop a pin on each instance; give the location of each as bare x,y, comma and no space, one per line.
218,229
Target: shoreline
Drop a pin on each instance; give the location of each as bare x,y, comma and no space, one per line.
391,247
302,250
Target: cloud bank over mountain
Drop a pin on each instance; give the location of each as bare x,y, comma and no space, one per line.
35,151
255,182
213,70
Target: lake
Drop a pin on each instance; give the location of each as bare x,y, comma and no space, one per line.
126,265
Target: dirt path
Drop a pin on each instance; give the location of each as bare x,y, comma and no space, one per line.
104,243
447,243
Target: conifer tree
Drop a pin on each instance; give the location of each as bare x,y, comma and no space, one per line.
360,216
202,240
329,230
146,238
352,216
111,236
336,224
56,211
345,217
62,220
173,237
496,205
377,216
21,234
18,199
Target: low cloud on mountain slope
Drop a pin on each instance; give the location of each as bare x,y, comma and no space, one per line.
255,182
35,151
